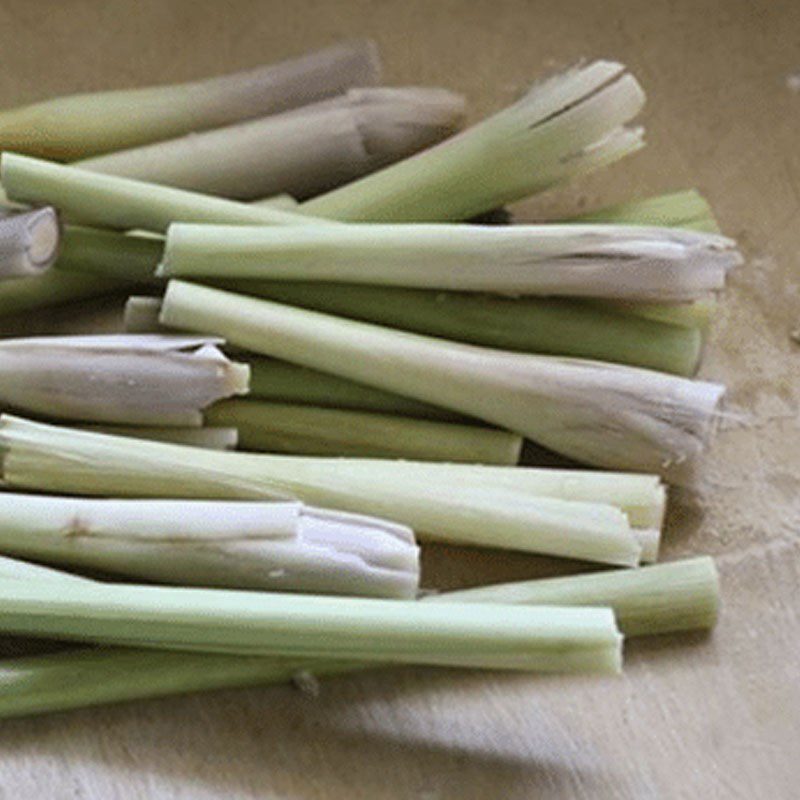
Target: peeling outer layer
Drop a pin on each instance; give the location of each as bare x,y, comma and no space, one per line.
244,545
119,378
29,242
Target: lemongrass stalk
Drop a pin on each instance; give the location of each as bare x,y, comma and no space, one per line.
281,382
80,125
643,498
311,430
118,378
547,325
54,288
28,243
550,639
207,437
664,598
686,209
112,255
303,152
241,545
697,314
602,414
289,384
108,201
282,200
53,459
564,126
607,261
674,597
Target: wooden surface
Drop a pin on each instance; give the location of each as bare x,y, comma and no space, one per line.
712,717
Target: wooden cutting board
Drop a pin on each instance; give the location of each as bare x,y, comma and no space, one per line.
713,717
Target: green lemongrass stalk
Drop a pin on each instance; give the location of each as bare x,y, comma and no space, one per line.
674,597
80,125
698,314
606,415
686,209
210,438
118,378
108,201
28,242
53,288
62,460
241,545
303,152
112,255
281,382
550,639
564,126
311,430
603,261
547,325
664,598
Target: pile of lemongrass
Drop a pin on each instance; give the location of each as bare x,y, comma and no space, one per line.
350,372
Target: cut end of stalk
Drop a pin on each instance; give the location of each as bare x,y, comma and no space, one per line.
395,122
29,243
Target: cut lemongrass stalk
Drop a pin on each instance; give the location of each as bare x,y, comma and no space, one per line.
289,384
241,545
118,378
28,243
602,414
548,325
112,255
550,639
563,126
281,382
629,262
303,152
112,202
687,209
642,498
679,596
141,316
664,598
209,438
282,200
54,288
54,459
601,261
311,430
80,125
698,314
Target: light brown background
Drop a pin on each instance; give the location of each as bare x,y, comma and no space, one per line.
716,717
